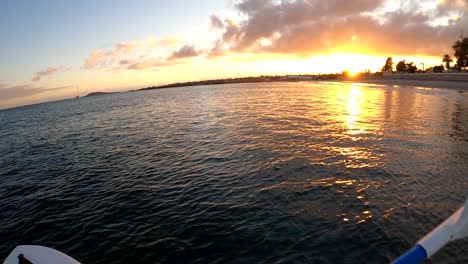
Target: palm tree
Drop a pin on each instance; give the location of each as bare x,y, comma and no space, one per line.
388,65
401,66
461,52
447,61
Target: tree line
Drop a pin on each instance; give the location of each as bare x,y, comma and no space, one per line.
460,48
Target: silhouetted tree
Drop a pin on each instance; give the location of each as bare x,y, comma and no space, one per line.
461,52
388,65
401,66
447,61
410,67
439,68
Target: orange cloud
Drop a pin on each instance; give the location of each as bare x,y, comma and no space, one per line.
305,28
148,64
123,50
25,90
94,59
37,77
11,96
155,42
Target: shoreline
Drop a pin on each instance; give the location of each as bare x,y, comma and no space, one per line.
408,81
449,80
437,84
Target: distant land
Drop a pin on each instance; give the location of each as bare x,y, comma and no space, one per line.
263,78
100,93
364,77
448,77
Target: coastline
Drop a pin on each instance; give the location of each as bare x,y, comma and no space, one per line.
451,81
447,80
438,84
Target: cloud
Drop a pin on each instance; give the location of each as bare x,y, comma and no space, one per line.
264,18
38,75
186,51
216,22
123,50
94,59
447,6
12,96
305,28
127,62
217,50
21,91
403,33
157,42
310,27
231,29
148,64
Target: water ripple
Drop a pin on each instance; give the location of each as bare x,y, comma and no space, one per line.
250,173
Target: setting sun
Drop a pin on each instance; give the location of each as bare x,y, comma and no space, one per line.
222,40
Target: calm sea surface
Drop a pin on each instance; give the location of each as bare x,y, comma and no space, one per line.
245,173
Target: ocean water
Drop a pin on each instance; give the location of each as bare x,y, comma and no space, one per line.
245,173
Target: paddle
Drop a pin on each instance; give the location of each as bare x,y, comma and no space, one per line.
453,228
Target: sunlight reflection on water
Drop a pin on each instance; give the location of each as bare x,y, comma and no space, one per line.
328,172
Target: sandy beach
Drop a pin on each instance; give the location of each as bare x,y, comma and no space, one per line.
455,85
448,80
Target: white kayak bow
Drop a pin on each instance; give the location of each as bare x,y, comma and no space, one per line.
453,228
38,255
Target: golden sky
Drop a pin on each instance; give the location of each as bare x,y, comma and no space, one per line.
116,46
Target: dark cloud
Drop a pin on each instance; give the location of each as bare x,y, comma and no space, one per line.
216,22
217,50
402,34
308,27
264,18
231,30
38,75
186,51
126,62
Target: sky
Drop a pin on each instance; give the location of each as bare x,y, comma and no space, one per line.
55,49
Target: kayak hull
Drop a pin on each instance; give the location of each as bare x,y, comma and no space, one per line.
39,255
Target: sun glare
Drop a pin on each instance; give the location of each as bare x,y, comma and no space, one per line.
352,72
